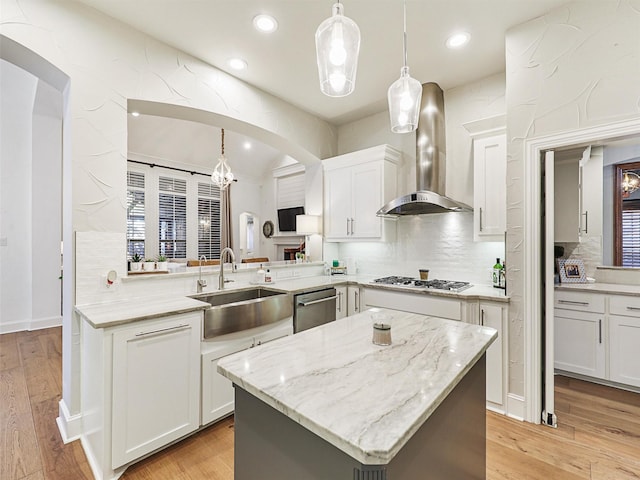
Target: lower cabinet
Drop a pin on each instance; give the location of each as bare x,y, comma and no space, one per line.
217,391
579,342
493,315
624,349
354,300
341,302
156,375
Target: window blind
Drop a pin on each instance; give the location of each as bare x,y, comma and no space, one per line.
208,220
135,214
631,233
172,217
290,191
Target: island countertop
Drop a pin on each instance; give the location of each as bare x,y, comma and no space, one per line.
367,400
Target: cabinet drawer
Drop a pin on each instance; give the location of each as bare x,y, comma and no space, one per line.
624,305
581,301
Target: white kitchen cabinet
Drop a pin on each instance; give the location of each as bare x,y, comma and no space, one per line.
489,178
217,390
156,379
354,300
624,340
356,185
341,302
578,194
493,315
580,342
422,303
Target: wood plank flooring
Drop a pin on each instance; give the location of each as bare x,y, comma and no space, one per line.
598,434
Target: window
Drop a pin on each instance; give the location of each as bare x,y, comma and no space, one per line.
627,219
208,220
172,217
135,214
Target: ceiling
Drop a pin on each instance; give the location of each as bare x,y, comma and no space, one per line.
283,63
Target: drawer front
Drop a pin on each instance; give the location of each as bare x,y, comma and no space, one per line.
624,305
581,301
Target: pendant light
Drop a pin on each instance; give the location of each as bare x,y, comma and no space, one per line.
404,95
222,175
337,48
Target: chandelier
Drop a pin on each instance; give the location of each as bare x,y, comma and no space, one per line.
630,183
222,175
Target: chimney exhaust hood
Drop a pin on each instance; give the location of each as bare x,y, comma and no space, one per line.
430,163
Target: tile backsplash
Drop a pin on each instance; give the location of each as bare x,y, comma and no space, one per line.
442,243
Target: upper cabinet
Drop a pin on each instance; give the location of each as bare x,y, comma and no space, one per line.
356,185
490,181
578,194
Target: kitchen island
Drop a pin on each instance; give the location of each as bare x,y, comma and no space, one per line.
329,404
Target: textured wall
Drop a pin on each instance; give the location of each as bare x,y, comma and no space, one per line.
575,67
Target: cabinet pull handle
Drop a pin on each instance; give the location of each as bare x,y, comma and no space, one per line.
313,302
340,302
635,309
569,302
352,222
599,330
586,221
160,330
480,218
356,307
482,317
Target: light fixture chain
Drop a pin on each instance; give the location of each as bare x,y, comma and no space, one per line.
404,24
222,147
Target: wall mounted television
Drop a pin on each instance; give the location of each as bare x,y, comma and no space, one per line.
287,218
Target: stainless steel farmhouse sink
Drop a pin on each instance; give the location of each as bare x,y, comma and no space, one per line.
237,310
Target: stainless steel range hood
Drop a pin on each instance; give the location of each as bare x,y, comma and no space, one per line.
430,163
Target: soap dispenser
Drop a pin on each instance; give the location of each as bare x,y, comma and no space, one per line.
260,275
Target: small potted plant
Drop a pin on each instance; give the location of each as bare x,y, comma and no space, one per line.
299,257
149,265
162,263
136,264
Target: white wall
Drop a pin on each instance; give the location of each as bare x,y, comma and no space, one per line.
16,142
575,67
444,242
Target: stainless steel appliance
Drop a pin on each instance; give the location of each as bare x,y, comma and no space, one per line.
451,285
311,309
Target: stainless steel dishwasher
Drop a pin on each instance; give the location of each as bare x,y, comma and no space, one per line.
311,309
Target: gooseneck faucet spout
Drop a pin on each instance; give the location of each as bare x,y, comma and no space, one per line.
221,280
201,283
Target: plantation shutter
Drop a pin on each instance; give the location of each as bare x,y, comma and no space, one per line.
631,233
208,220
172,217
290,191
135,214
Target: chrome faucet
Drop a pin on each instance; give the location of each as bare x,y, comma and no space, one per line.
201,283
221,280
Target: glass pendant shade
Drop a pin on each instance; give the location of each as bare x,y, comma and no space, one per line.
404,102
337,49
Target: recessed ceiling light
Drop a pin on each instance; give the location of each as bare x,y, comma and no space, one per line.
237,63
135,114
458,40
247,145
265,23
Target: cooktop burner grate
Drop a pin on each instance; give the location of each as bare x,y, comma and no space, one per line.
451,285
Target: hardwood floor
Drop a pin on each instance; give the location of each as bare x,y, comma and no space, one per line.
598,434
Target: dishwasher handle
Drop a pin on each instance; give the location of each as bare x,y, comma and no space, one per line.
313,302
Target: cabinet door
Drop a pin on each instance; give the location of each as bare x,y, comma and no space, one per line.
217,391
490,194
366,199
579,342
353,300
156,385
492,316
341,302
567,198
624,349
591,195
337,203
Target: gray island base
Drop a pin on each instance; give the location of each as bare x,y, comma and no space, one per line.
450,445
328,404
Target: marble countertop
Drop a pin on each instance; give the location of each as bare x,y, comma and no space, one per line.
610,288
104,315
364,399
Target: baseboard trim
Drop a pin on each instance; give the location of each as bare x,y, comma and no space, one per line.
515,406
70,426
28,325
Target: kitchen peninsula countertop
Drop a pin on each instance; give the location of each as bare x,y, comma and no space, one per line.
366,400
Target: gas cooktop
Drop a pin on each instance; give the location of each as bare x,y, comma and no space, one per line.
450,285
